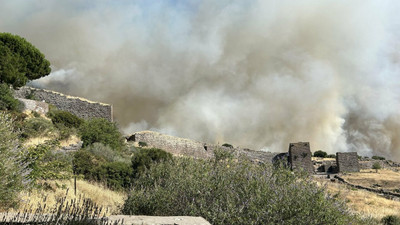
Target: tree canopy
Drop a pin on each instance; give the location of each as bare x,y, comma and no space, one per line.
20,61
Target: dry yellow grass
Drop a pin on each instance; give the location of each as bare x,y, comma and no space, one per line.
109,200
36,141
363,202
387,179
73,139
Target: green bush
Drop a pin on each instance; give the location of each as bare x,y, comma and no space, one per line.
142,144
378,157
102,131
105,152
227,145
48,164
331,156
376,166
65,118
38,126
230,192
391,220
142,159
321,154
12,170
106,168
7,100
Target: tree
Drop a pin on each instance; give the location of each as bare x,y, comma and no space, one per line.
320,153
20,61
7,100
376,166
102,131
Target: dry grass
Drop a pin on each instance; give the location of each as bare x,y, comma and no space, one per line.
323,159
36,141
387,179
363,202
73,139
109,200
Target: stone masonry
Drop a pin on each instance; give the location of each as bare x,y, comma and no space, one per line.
185,147
300,156
347,162
82,108
32,105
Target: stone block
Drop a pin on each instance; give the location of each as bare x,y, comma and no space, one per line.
300,157
347,162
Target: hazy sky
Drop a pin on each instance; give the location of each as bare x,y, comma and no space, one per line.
259,73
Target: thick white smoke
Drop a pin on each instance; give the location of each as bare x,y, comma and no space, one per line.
258,73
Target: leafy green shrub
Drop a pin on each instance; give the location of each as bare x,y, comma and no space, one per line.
12,169
143,158
321,154
376,166
36,127
105,152
378,157
7,100
222,154
230,192
104,167
47,164
331,156
102,131
65,118
391,220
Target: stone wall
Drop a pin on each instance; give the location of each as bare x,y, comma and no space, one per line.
300,156
185,147
32,105
347,162
83,108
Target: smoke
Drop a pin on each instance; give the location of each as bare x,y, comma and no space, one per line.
257,73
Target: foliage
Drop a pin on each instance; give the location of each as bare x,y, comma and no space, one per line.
321,154
47,164
7,100
12,169
102,131
391,220
79,211
227,145
331,156
67,119
230,192
101,164
222,154
20,61
143,158
36,127
142,144
376,166
378,157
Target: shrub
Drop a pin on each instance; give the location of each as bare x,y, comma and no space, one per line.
47,164
7,100
36,127
65,118
376,166
320,153
230,192
143,158
12,169
102,167
142,144
331,156
102,131
105,152
378,157
391,220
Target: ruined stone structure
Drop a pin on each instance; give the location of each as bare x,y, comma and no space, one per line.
32,105
82,108
347,162
300,156
185,147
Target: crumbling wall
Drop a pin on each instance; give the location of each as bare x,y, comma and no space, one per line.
32,105
300,157
347,162
82,108
186,147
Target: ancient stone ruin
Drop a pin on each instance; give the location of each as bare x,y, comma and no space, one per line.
82,108
32,105
347,162
300,157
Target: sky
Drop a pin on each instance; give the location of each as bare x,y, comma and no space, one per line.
257,73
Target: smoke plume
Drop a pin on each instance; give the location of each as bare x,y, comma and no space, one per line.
257,73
